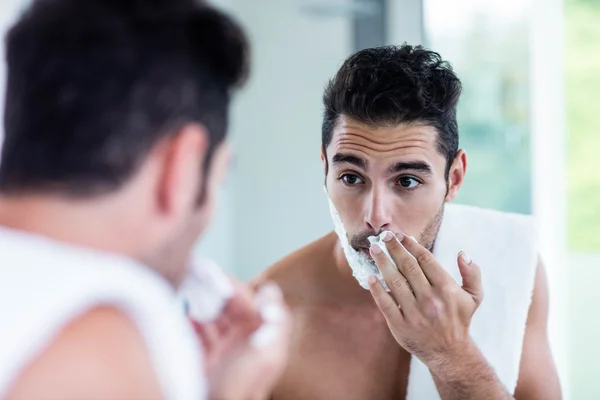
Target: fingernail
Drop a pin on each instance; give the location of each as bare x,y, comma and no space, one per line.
376,249
413,239
465,257
387,236
372,280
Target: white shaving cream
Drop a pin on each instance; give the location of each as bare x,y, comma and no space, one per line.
205,291
273,317
361,265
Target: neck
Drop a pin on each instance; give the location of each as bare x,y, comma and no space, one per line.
99,224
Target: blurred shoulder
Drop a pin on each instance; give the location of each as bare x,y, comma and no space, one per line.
99,355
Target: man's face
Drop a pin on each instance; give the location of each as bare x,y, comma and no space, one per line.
388,178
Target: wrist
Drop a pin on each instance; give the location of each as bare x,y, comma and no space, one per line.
458,362
467,375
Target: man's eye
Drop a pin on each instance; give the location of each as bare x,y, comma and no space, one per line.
350,179
408,182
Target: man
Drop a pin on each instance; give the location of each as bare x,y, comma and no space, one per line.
392,163
114,149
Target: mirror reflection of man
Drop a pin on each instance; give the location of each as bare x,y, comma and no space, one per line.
392,163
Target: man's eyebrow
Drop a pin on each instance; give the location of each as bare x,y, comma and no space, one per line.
420,166
341,158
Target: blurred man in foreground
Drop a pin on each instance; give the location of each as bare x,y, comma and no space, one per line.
392,164
114,150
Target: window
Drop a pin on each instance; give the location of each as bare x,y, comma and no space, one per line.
487,43
582,85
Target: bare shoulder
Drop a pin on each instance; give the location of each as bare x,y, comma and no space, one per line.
100,355
297,272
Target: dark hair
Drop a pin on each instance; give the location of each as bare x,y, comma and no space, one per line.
93,85
390,85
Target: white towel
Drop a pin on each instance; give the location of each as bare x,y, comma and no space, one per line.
503,245
50,284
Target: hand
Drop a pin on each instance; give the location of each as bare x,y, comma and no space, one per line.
239,318
429,314
240,367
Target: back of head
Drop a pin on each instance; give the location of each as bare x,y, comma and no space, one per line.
93,85
390,85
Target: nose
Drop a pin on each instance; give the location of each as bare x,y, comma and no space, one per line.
378,216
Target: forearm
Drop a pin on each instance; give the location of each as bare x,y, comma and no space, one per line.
468,376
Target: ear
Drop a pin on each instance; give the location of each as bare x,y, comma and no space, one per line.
182,171
456,176
324,160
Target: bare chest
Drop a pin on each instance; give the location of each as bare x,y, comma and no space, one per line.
343,356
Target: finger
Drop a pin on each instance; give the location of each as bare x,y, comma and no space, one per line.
406,264
230,333
270,345
209,337
384,301
432,269
471,277
275,316
241,311
393,278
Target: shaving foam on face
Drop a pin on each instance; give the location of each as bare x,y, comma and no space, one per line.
361,265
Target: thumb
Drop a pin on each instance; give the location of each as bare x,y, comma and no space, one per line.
471,277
